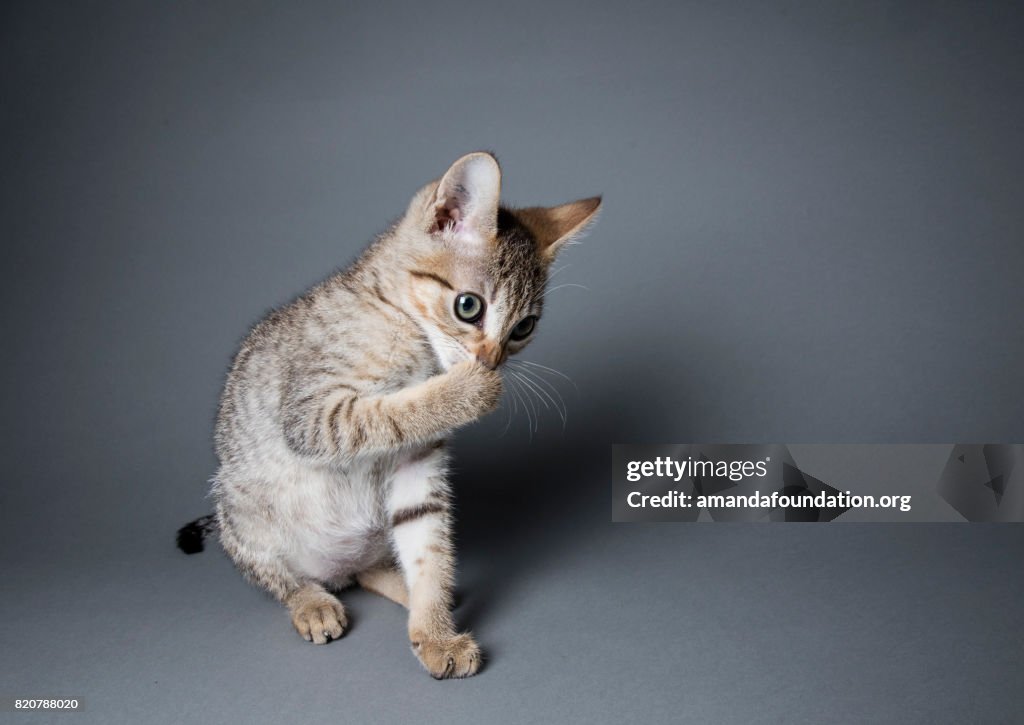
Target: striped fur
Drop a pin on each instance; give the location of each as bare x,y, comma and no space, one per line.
331,428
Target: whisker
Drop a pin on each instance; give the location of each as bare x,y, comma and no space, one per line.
560,406
512,410
529,399
559,373
529,385
508,421
529,423
558,271
554,389
542,393
560,286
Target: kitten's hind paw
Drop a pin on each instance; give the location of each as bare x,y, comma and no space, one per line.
318,618
453,656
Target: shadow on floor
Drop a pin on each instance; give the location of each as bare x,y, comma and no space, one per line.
520,503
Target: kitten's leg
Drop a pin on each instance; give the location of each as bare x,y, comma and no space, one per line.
341,424
387,581
317,614
421,532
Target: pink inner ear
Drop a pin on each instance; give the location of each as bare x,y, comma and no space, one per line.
446,216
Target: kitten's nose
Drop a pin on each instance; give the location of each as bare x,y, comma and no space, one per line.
488,355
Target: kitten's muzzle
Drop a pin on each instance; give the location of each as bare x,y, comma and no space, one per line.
490,355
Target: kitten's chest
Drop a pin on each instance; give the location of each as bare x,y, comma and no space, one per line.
341,518
339,522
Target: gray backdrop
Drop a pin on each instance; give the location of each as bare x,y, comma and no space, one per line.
812,233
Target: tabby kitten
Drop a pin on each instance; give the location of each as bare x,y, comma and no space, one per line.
332,425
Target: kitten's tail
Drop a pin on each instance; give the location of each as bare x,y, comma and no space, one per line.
191,535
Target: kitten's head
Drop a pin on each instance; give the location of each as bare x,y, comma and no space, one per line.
478,271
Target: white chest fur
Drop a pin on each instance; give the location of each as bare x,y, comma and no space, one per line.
339,520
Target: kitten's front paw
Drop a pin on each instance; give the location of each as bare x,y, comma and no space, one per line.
319,619
478,386
456,655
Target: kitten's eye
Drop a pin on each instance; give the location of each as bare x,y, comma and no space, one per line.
469,307
524,329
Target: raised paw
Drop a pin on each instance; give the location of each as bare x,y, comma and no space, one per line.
319,618
454,656
476,387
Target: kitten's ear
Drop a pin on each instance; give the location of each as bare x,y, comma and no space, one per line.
466,202
556,226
